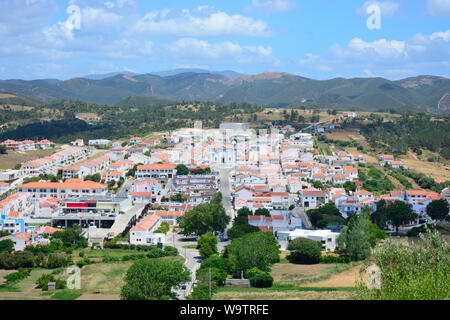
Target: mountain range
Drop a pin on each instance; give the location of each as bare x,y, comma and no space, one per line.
275,89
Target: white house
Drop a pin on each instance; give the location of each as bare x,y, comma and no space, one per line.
143,232
325,237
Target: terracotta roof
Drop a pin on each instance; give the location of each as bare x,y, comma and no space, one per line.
158,166
64,185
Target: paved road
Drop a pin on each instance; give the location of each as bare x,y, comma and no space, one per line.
192,260
225,189
300,212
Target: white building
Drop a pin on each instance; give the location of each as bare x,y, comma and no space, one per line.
143,232
325,237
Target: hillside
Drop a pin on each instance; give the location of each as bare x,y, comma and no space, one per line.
427,93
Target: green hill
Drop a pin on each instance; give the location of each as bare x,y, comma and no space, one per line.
426,93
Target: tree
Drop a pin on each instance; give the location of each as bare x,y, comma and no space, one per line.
354,241
304,251
399,213
379,217
3,149
6,245
438,210
153,279
182,170
206,217
259,278
349,186
262,212
207,245
259,249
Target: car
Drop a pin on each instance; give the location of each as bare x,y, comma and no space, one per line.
183,287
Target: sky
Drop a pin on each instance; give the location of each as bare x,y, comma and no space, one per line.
318,39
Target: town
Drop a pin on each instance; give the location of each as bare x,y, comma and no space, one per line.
141,188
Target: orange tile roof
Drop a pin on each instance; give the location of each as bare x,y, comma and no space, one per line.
147,223
64,185
158,166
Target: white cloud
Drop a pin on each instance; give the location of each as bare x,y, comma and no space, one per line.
438,8
270,6
203,21
200,51
420,53
387,8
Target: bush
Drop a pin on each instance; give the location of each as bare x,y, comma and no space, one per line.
201,292
56,260
156,253
170,251
19,275
259,278
304,251
43,281
329,259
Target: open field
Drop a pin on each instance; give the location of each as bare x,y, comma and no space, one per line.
3,274
11,159
435,170
265,294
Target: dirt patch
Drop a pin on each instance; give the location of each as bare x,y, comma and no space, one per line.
9,160
433,169
6,95
348,278
284,295
3,274
295,272
99,297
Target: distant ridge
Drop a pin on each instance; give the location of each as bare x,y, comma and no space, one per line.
274,89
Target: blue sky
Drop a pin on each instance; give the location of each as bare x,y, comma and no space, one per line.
319,39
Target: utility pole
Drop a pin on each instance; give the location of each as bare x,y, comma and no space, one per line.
209,282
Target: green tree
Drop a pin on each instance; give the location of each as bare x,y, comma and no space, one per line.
349,186
259,249
380,217
304,251
438,210
259,278
153,279
206,217
3,149
6,245
207,245
262,212
182,170
354,241
399,213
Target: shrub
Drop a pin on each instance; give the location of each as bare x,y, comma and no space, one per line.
56,260
201,292
43,281
170,251
156,253
304,251
329,259
19,275
259,278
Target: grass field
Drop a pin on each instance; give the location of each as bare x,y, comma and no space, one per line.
9,160
301,282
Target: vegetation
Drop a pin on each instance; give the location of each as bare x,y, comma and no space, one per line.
153,279
415,132
207,245
259,249
438,210
6,245
358,237
241,227
259,278
43,281
412,272
304,251
326,215
206,217
396,214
